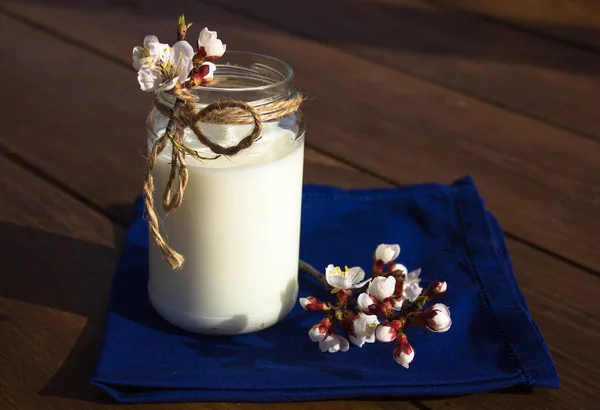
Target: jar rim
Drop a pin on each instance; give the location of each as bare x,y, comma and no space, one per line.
282,72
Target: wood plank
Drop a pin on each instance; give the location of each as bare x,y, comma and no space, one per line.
541,78
577,21
587,291
540,181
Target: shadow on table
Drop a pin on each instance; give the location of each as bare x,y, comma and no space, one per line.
67,274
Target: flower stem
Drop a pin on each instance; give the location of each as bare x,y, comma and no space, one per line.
314,273
176,108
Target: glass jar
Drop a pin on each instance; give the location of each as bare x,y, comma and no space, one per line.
238,226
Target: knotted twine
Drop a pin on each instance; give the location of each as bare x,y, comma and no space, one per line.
184,114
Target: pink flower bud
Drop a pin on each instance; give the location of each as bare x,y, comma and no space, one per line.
437,318
365,302
388,331
403,352
320,331
202,74
312,304
436,290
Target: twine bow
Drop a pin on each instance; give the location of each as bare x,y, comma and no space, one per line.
184,114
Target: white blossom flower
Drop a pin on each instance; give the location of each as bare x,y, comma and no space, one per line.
334,343
149,53
411,289
350,278
171,66
387,331
364,301
440,320
403,352
209,46
364,327
382,287
387,253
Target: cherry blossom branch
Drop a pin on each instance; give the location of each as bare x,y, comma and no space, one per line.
305,267
392,293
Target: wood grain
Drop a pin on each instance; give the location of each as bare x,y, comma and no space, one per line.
577,21
493,63
542,182
51,319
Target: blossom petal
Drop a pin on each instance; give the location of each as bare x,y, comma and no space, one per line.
403,353
211,70
414,275
168,84
304,302
364,327
356,275
183,49
335,278
150,39
334,343
316,335
382,287
358,341
411,291
401,268
385,332
344,345
159,51
210,44
387,253
148,79
135,56
364,301
441,322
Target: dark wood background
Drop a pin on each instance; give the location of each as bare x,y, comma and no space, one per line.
400,91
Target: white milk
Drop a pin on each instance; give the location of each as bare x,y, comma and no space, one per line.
238,229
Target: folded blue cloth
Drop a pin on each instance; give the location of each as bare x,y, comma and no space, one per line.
445,230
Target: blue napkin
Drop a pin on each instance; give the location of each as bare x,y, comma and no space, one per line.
444,229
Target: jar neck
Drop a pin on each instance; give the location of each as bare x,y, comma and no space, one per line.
252,78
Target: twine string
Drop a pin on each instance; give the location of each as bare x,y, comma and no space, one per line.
184,114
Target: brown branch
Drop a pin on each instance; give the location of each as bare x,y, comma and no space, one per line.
305,267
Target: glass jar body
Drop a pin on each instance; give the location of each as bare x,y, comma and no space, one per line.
238,229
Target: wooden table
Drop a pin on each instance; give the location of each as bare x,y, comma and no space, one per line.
401,91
